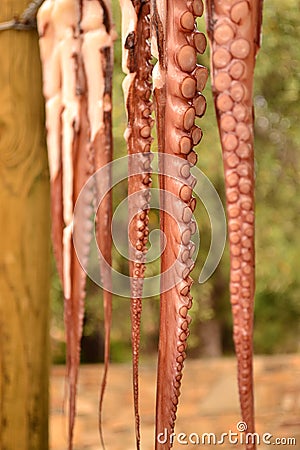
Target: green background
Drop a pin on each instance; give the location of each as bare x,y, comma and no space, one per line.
277,163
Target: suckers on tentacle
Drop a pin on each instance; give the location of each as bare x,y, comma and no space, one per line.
178,82
234,31
137,93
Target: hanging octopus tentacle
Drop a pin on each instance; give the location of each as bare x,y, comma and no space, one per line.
52,92
97,53
60,46
178,82
137,92
234,32
74,109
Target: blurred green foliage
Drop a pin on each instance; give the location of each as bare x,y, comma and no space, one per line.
277,309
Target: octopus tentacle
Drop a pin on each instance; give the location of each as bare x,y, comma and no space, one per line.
60,48
177,82
234,32
137,92
97,50
70,44
54,107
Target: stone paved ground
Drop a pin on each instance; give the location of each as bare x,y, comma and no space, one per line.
208,404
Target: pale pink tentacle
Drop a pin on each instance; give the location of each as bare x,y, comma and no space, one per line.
73,123
177,82
60,46
234,31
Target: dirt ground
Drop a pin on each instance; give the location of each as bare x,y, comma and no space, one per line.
208,404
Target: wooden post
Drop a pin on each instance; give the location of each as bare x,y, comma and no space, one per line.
24,241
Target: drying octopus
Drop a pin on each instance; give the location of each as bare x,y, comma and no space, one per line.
234,30
76,40
75,36
137,66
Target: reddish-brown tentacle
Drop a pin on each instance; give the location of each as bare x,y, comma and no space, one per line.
74,309
97,50
178,82
234,32
97,55
137,92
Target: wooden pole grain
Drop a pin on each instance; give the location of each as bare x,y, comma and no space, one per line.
24,241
